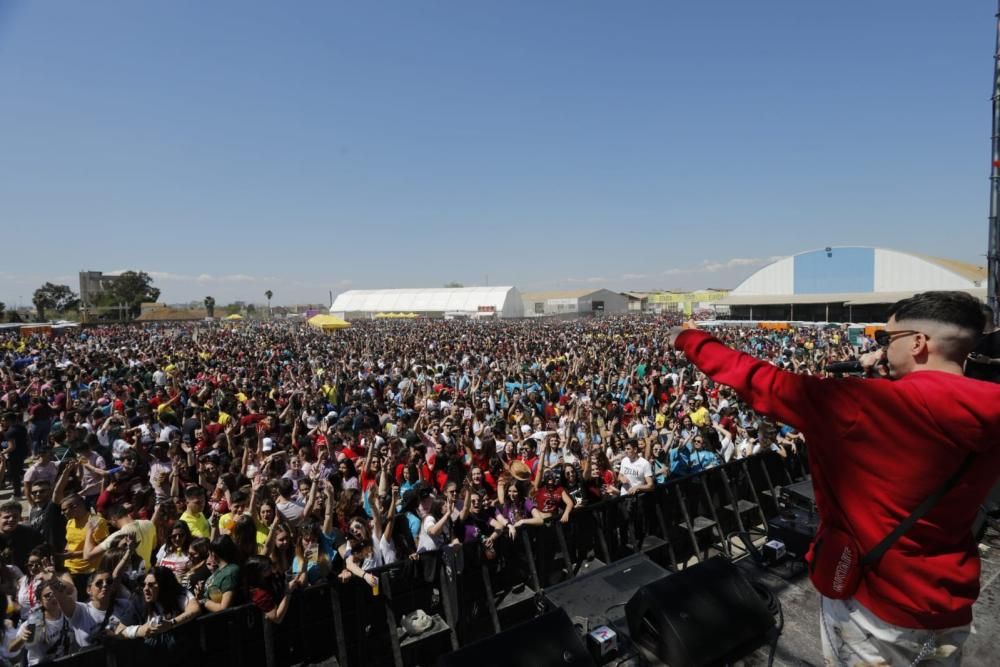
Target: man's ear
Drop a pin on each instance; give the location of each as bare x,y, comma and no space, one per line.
919,346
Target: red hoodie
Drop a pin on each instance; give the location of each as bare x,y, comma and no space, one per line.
877,449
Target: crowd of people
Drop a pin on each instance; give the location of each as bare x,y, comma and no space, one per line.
163,472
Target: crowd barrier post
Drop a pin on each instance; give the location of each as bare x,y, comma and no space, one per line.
491,603
563,546
735,506
390,618
748,478
707,496
270,650
692,529
599,514
529,557
448,568
659,500
338,624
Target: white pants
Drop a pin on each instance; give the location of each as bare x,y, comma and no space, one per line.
853,636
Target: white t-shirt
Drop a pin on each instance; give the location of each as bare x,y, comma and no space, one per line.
635,472
166,431
728,449
426,541
178,563
63,636
291,510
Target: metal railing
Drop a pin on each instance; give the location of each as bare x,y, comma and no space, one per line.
683,521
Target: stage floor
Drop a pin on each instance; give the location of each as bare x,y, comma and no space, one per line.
800,645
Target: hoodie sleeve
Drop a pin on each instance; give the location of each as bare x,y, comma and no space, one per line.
803,401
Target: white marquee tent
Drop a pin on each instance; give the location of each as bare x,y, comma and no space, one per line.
432,302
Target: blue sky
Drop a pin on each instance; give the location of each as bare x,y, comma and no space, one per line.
230,147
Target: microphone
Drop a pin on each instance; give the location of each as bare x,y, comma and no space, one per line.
844,367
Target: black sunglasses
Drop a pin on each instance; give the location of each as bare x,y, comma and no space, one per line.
883,337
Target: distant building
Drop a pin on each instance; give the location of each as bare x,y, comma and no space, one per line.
685,302
438,302
93,284
574,302
846,284
668,301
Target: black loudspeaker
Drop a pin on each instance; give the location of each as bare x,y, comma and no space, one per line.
708,614
549,640
796,528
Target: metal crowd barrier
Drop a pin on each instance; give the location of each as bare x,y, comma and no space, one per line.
677,523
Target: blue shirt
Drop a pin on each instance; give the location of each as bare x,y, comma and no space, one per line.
680,464
701,459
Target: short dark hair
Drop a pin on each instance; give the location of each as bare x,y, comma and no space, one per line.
223,547
117,512
11,507
948,307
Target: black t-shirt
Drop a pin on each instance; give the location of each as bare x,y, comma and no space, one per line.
14,548
989,346
190,426
50,523
17,441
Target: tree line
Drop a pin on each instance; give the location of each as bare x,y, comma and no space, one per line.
122,298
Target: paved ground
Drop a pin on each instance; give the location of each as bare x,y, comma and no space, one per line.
800,647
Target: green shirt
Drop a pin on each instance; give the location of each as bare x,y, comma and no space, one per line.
223,580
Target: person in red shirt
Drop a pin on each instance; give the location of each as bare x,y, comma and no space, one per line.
551,498
877,449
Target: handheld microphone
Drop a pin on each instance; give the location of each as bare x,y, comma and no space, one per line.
844,367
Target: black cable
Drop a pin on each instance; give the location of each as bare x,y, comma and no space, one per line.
617,604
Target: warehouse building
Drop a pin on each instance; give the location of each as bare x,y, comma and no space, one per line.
442,302
574,302
846,284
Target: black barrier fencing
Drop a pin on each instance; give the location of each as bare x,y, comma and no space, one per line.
467,592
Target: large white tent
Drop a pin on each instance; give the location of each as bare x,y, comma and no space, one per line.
432,302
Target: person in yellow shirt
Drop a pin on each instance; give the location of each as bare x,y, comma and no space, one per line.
238,502
661,417
700,416
194,515
123,522
78,517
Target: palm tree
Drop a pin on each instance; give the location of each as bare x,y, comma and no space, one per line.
269,294
210,306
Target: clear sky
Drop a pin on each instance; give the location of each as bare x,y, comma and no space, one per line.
230,147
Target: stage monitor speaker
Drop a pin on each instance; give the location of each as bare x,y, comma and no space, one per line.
549,640
708,614
796,528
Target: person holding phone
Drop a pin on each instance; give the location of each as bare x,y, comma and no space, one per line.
48,633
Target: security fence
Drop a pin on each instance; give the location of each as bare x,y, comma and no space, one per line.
471,592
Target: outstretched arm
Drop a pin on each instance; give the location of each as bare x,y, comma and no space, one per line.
799,400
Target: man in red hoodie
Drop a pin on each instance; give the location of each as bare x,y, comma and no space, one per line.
877,449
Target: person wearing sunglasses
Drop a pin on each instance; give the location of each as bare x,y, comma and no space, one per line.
49,633
879,448
40,565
